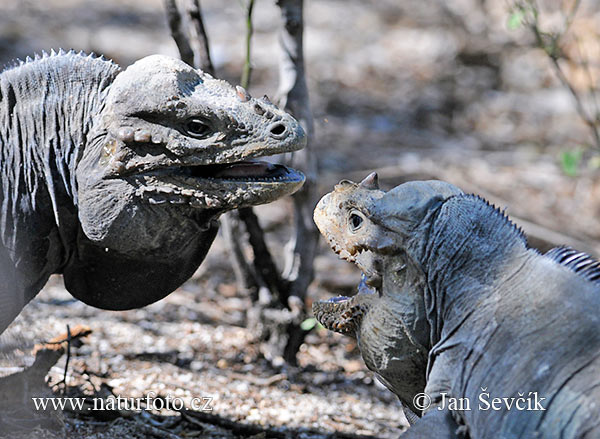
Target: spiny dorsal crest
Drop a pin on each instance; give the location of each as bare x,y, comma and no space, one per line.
580,262
16,63
501,214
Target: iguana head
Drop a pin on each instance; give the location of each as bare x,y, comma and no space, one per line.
174,147
381,233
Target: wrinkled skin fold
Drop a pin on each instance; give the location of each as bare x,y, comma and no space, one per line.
476,309
116,178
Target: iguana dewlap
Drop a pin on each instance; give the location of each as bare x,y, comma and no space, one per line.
475,313
115,178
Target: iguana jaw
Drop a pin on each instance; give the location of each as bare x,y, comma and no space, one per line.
221,187
343,314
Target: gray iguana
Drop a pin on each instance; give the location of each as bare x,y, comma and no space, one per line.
115,178
462,308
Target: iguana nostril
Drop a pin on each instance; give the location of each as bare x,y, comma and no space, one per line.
277,130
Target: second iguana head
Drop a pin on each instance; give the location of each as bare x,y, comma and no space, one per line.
375,230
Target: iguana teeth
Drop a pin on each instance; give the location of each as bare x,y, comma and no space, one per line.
344,254
154,200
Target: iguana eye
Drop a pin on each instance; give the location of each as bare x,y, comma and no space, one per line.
196,128
355,221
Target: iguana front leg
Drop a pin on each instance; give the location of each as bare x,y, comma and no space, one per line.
106,279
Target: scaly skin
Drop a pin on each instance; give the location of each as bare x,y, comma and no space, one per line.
456,275
387,343
116,178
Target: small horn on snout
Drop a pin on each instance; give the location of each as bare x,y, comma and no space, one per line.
243,95
371,181
266,99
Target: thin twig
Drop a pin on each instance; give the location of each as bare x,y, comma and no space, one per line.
198,37
245,82
578,101
68,349
244,275
68,354
571,16
264,265
554,54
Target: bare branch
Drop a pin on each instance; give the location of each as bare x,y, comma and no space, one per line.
187,29
178,32
264,265
583,114
232,232
550,43
198,37
293,97
288,290
231,221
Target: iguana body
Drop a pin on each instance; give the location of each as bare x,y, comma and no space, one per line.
497,319
115,178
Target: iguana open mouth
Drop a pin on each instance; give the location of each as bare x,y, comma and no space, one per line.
213,186
363,258
250,170
343,314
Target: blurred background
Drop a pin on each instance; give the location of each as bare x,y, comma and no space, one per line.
458,90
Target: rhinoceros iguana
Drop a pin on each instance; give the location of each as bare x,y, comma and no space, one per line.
115,178
503,341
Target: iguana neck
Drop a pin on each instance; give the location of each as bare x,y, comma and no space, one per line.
46,109
468,250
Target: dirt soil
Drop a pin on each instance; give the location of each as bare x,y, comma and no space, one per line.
437,89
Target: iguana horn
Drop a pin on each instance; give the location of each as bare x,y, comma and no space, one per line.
371,181
243,95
